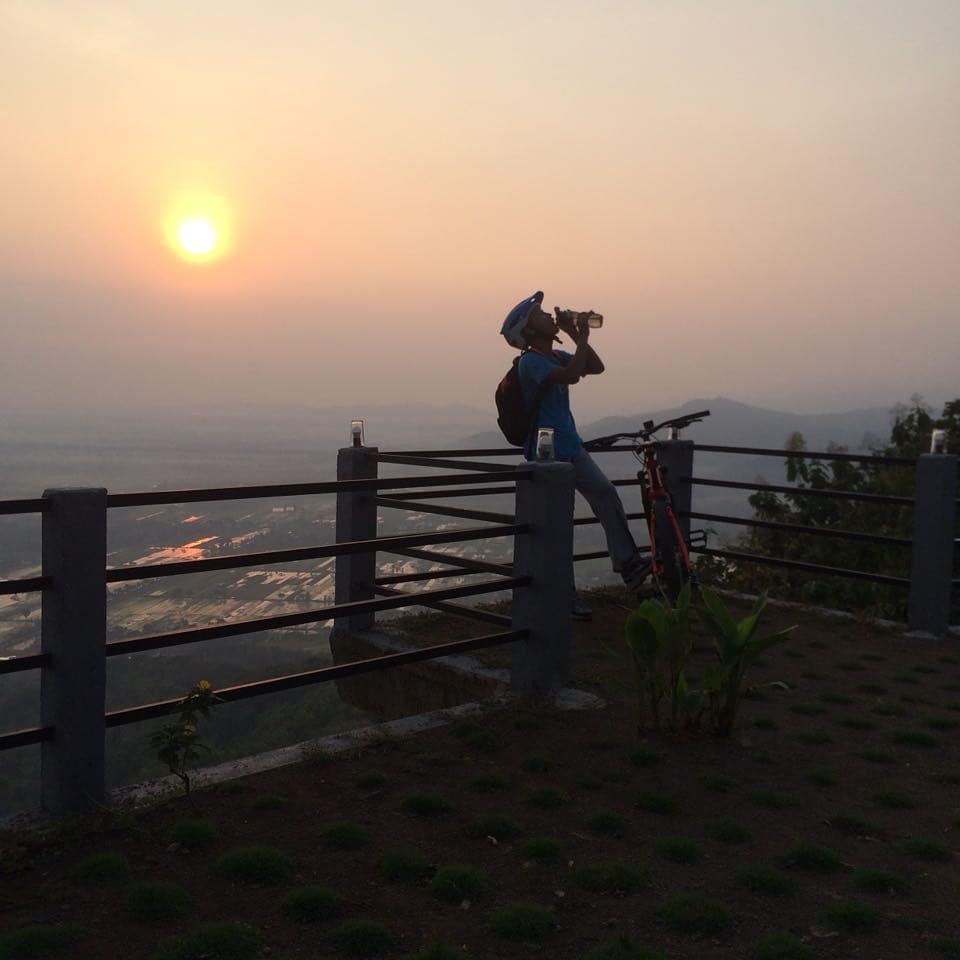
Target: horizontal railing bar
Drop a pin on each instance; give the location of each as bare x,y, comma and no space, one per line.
423,575
808,454
467,563
803,565
421,461
27,585
11,507
603,554
21,738
30,662
446,511
244,691
802,491
627,483
296,489
587,521
800,528
457,609
180,567
238,628
449,494
482,452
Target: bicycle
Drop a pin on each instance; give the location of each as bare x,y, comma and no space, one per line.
669,549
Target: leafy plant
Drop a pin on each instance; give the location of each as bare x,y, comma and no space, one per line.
177,744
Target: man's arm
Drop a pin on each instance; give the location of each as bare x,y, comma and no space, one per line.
585,361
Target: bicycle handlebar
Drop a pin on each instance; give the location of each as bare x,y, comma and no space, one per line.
649,428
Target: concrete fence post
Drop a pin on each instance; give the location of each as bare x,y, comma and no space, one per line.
545,492
73,636
356,520
934,523
676,462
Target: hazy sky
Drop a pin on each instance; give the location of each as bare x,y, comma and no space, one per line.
762,196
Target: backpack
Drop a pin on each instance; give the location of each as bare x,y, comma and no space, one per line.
515,421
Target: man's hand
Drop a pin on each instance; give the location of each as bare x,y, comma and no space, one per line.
566,321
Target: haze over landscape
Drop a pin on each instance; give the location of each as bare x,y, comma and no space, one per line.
762,198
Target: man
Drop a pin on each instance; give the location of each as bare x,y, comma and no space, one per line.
529,327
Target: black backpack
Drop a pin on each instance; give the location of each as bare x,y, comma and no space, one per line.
515,421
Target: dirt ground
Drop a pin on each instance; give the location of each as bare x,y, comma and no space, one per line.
859,755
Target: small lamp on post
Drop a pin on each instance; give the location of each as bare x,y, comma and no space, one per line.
356,432
938,441
545,443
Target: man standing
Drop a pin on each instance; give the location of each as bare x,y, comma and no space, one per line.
529,327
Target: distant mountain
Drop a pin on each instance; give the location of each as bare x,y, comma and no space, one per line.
739,424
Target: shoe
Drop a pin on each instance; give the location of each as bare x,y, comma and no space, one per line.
636,571
580,611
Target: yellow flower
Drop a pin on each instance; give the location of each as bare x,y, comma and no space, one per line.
189,728
203,685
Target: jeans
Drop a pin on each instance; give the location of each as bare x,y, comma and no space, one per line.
607,507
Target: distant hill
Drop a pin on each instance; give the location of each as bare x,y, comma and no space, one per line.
740,424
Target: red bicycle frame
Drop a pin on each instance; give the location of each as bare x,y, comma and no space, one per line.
654,489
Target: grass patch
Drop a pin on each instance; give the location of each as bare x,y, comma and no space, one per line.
717,782
765,723
679,850
851,666
106,867
874,689
729,831
310,904
946,778
782,946
767,880
496,825
606,823
814,738
489,783
894,800
851,915
623,948
403,865
914,738
256,865
362,938
843,699
153,901
371,780
542,849
268,802
920,848
438,951
548,798
657,803
538,764
948,947
808,709
771,800
822,778
854,826
344,835
878,755
644,757
426,805
942,723
694,914
522,921
857,723
37,940
611,877
212,941
879,881
888,710
811,856
456,882
477,738
193,833
906,679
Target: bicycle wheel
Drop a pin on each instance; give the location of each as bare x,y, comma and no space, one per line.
673,570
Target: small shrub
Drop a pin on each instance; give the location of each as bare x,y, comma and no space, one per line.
403,865
946,778
438,951
644,757
106,867
765,723
766,880
212,941
922,849
942,723
851,915
495,825
888,710
874,755
426,805
729,831
522,921
657,803
541,849
679,849
782,946
823,778
771,800
489,782
538,764
477,738
362,938
37,940
310,904
854,826
894,800
456,882
914,738
258,866
695,914
623,948
810,856
344,835
948,947
874,689
879,881
193,833
808,709
268,802
371,780
717,782
857,723
814,738
606,823
611,877
842,699
153,901
851,666
548,798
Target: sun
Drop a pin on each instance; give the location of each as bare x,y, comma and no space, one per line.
198,228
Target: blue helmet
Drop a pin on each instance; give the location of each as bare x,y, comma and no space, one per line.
516,321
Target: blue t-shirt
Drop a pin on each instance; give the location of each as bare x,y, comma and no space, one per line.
555,405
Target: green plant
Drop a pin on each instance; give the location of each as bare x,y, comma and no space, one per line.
362,938
310,904
767,880
717,782
522,921
426,805
548,798
606,823
193,833
496,825
729,831
538,764
894,800
855,826
106,867
212,941
879,881
344,835
695,914
152,901
488,782
438,951
541,849
736,648
782,946
644,757
371,780
404,865
823,778
611,877
657,803
851,915
922,849
456,882
623,948
810,856
259,866
37,940
177,744
679,849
